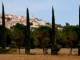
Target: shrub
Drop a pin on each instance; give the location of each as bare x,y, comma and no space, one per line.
56,49
4,51
13,50
31,23
8,19
13,44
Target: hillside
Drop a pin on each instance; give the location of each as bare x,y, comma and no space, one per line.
11,20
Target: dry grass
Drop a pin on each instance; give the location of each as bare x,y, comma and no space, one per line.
63,51
37,57
63,55
66,51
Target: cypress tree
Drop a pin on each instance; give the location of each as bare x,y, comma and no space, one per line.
3,40
79,34
27,44
53,32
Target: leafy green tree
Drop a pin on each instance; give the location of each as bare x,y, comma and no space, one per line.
27,35
3,40
18,35
69,36
13,45
35,41
41,36
58,35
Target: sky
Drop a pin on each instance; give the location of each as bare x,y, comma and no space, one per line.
64,10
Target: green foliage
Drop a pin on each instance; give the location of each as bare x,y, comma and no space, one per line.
8,35
13,44
4,51
3,40
56,48
48,23
79,34
31,23
27,34
41,36
69,35
36,42
18,34
8,18
53,33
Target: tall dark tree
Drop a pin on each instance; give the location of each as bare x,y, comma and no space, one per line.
53,32
79,34
3,41
27,42
55,47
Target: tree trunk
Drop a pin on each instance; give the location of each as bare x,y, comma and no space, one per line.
71,51
43,49
18,43
19,50
71,48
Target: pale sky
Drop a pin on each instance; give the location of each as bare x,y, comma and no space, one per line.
64,10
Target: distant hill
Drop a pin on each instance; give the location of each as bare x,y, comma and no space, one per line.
11,20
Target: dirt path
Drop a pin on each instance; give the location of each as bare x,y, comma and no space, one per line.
36,57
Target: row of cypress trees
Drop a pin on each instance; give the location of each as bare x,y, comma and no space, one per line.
54,44
27,33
